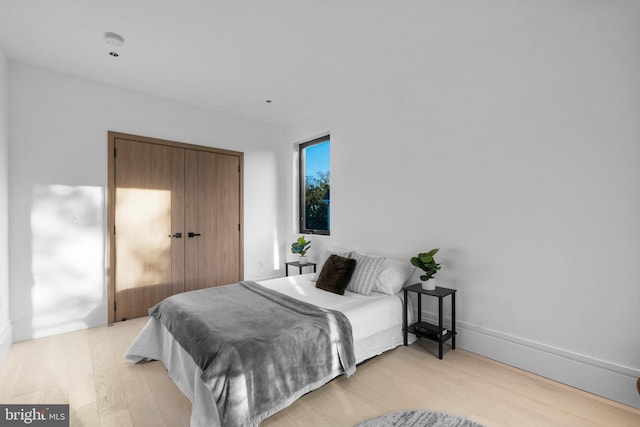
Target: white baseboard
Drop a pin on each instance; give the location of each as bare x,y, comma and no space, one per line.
24,329
605,379
5,340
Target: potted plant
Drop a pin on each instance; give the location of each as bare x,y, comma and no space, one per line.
300,247
426,262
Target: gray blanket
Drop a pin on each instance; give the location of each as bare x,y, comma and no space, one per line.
258,349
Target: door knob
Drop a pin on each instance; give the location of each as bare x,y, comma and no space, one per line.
177,235
192,234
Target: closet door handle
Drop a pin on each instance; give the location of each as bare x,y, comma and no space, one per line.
192,234
177,235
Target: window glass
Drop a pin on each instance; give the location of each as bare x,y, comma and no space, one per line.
315,192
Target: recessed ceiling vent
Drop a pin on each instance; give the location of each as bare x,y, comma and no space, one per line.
115,41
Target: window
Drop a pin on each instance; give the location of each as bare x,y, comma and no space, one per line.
315,180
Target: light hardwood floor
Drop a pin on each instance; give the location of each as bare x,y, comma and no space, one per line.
86,369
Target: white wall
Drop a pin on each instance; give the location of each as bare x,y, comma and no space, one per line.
58,156
519,157
5,324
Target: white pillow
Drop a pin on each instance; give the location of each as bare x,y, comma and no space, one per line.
327,252
393,275
365,273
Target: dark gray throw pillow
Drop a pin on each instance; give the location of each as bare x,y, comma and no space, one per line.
336,274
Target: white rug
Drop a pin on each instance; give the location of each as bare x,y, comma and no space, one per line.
418,419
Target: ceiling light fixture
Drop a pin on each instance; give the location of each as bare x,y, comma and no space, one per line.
115,41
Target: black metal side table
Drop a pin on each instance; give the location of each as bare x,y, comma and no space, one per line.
427,330
300,266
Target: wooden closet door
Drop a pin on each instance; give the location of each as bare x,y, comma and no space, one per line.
223,217
177,219
159,188
212,211
143,201
191,221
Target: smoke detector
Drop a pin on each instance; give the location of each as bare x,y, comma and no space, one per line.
115,41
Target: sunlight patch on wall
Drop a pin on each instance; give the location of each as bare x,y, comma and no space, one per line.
67,246
143,257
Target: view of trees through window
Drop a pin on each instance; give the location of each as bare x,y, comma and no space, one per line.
315,186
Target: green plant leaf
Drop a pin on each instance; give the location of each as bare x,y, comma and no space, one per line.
427,259
416,262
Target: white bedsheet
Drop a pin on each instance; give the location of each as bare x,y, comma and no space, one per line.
369,315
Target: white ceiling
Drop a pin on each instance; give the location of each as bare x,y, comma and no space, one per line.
232,56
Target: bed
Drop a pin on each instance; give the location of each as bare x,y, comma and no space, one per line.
372,324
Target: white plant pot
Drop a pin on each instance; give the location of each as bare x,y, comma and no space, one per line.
302,260
429,285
